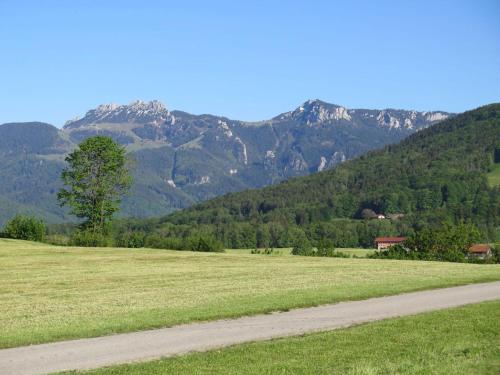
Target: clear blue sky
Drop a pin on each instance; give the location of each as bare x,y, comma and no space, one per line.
247,60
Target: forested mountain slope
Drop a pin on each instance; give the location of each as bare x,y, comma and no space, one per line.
437,174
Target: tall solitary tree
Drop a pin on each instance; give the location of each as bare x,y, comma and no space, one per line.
97,178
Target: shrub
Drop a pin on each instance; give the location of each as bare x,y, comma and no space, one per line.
88,238
269,251
199,242
394,252
57,239
25,228
156,241
302,246
496,253
337,254
131,240
205,243
266,251
325,248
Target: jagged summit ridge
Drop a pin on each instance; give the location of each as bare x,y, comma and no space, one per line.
329,133
402,119
317,112
153,112
311,113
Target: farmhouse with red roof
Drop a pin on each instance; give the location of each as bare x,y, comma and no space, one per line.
385,242
480,251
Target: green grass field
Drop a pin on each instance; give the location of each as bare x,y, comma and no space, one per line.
356,251
457,341
50,293
494,175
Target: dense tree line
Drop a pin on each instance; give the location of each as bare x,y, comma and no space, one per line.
341,232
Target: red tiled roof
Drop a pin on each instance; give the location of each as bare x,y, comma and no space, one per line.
479,248
390,239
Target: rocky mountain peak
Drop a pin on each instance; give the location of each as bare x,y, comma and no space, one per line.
106,108
153,106
317,111
144,112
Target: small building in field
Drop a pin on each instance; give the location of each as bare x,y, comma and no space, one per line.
480,251
382,243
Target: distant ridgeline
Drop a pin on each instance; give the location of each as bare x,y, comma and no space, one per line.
437,174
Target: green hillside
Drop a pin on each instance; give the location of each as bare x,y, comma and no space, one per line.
438,174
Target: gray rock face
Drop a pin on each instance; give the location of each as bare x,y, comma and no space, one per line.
180,159
153,112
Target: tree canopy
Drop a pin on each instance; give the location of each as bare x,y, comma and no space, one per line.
96,178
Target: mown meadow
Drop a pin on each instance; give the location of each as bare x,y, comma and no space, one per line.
50,293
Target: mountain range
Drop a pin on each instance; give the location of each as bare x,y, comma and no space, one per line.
179,159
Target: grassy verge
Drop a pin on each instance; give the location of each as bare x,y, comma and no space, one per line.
50,293
456,341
